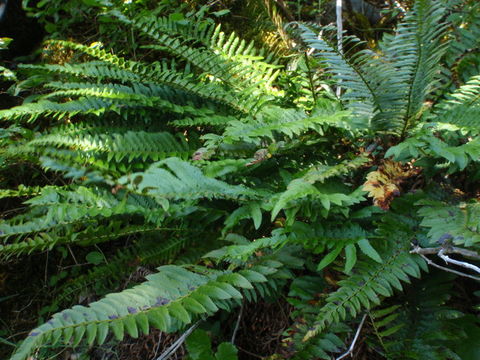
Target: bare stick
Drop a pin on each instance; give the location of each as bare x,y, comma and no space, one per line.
446,250
466,265
174,347
339,36
352,346
430,262
237,325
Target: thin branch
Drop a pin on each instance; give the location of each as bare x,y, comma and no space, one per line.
466,265
446,250
430,262
174,347
339,36
237,325
352,346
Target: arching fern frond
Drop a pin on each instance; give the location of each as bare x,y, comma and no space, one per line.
462,107
129,145
173,179
275,120
369,281
168,300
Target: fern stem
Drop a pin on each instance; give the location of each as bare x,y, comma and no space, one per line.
310,79
377,333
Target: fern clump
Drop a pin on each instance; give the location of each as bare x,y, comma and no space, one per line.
194,163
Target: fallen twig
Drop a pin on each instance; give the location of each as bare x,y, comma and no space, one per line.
446,250
441,251
237,325
352,345
174,347
430,262
466,265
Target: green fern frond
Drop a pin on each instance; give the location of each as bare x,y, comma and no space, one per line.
369,281
462,107
424,326
173,179
168,300
221,57
274,120
362,96
387,89
32,111
158,73
212,120
21,191
64,216
459,223
118,146
93,233
417,49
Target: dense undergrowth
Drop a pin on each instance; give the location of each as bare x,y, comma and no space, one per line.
233,169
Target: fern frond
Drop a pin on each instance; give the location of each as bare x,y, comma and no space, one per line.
459,223
361,95
119,146
157,73
417,49
462,107
304,185
369,281
387,90
173,179
274,120
34,240
221,57
21,191
168,300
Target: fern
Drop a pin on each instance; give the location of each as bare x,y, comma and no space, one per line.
370,281
426,329
458,224
386,90
167,301
243,178
462,106
182,181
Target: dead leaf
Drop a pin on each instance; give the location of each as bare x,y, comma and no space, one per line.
384,184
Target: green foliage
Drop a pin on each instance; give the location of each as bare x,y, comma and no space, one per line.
238,177
199,347
162,302
455,223
386,89
428,328
369,283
